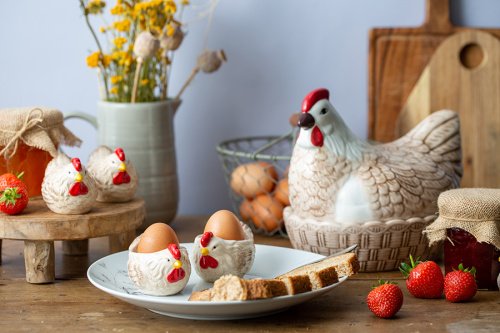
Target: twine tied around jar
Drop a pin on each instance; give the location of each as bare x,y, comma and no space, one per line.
475,210
28,124
38,127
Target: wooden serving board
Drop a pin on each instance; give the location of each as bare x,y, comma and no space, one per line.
464,75
397,58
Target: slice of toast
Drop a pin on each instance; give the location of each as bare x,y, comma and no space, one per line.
297,284
233,288
204,295
299,280
326,272
319,276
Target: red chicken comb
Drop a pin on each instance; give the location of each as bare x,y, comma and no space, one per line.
121,155
313,97
205,239
174,250
77,164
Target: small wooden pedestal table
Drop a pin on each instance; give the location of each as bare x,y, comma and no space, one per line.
39,227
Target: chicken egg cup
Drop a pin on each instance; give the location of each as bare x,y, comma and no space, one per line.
161,273
214,257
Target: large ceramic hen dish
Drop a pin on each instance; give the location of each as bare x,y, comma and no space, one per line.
110,275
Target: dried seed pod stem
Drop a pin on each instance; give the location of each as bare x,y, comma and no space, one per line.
136,78
196,69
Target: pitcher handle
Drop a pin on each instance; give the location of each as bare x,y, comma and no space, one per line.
81,115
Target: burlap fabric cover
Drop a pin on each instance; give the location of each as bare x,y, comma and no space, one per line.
38,127
475,210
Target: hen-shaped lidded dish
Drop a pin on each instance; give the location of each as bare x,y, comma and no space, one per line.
115,176
67,187
225,247
157,264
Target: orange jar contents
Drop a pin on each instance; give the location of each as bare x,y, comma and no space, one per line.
32,161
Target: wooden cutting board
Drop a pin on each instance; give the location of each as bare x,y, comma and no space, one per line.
464,75
397,58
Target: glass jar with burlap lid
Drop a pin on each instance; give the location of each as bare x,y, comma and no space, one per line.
29,139
469,224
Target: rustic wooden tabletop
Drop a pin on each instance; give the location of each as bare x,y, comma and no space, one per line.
72,303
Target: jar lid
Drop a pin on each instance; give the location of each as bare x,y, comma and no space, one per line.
475,210
38,127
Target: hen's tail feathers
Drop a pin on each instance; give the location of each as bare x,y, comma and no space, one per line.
57,162
98,154
440,131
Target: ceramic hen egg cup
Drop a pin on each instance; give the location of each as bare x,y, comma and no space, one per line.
161,273
214,257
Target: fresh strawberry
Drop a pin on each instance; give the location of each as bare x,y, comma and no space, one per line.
13,194
423,279
11,179
460,285
385,300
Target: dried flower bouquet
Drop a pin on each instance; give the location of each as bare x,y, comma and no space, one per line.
141,40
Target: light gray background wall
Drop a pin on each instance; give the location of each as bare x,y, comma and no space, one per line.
278,51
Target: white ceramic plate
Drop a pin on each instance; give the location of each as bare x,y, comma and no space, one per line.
110,275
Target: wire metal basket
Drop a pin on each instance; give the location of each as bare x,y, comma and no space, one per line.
260,207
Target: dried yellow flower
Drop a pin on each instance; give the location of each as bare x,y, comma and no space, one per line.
119,41
122,25
93,59
116,79
105,60
95,7
113,90
144,82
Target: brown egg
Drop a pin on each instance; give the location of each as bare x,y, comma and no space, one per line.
224,224
268,213
157,237
253,179
281,194
246,210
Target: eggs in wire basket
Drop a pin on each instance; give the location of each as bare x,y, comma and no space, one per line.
263,193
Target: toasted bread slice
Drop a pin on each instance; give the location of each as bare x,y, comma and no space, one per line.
297,284
204,295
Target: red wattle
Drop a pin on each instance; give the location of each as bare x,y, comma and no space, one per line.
208,261
175,275
78,188
317,137
121,177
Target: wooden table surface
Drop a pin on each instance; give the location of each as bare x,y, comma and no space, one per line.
72,303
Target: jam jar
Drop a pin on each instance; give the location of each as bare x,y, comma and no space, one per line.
461,247
29,139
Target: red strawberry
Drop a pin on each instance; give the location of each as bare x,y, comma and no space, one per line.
460,285
423,279
14,194
11,179
385,300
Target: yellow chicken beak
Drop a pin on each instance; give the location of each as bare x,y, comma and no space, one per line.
78,177
122,167
204,251
177,264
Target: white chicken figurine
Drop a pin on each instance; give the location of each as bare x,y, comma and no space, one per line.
334,175
67,187
115,176
214,257
159,273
